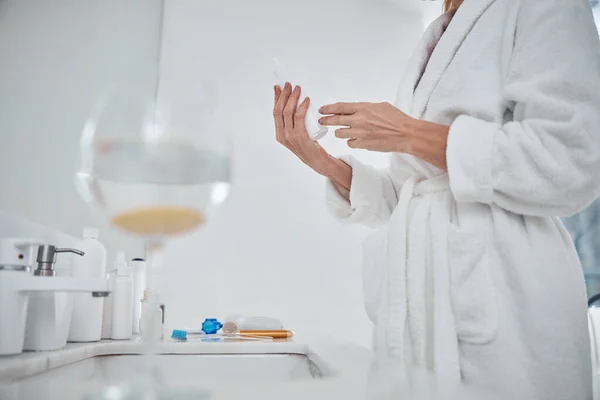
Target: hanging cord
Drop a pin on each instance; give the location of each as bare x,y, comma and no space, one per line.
593,299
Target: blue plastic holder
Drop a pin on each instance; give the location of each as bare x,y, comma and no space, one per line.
210,326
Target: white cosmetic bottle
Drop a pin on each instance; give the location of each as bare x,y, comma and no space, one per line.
122,312
108,303
138,271
315,130
86,320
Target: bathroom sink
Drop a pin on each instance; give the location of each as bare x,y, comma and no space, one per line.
82,371
93,375
178,369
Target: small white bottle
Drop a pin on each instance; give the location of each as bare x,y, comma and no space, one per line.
138,270
122,313
152,317
86,320
107,313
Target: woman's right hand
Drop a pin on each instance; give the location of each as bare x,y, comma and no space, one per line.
291,132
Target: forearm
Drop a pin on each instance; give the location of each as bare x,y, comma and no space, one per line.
428,141
338,172
423,139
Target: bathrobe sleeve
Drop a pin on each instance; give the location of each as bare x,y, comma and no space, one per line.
546,161
371,200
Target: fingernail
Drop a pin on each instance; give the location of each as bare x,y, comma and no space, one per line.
321,110
288,85
321,121
296,89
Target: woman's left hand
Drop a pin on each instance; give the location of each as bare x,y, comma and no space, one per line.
383,127
371,126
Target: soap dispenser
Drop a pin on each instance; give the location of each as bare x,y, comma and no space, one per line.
16,259
48,313
35,322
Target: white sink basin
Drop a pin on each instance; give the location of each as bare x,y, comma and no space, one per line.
177,370
82,370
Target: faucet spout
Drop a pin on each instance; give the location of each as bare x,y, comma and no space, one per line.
75,251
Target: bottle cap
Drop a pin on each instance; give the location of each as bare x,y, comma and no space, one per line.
90,233
211,326
319,133
237,319
230,328
137,265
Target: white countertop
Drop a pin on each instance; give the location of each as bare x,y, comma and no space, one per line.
347,367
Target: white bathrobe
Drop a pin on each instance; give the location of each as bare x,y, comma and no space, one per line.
471,273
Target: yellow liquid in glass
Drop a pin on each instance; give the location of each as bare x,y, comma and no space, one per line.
159,221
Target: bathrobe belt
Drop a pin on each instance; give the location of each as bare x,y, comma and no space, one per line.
416,301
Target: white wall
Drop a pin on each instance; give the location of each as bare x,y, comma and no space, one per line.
274,249
55,57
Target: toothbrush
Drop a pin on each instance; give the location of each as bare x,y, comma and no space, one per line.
315,130
278,334
230,328
179,335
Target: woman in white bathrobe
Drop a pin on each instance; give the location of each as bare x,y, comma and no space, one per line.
495,134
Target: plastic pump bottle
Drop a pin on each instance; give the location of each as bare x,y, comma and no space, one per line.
122,313
86,321
138,270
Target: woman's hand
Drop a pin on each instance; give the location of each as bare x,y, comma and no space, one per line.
383,127
291,132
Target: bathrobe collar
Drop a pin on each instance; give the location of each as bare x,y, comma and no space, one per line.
434,54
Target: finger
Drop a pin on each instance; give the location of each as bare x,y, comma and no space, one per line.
290,110
340,108
277,90
279,128
336,120
367,144
278,116
282,101
299,138
300,117
277,94
345,133
355,143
